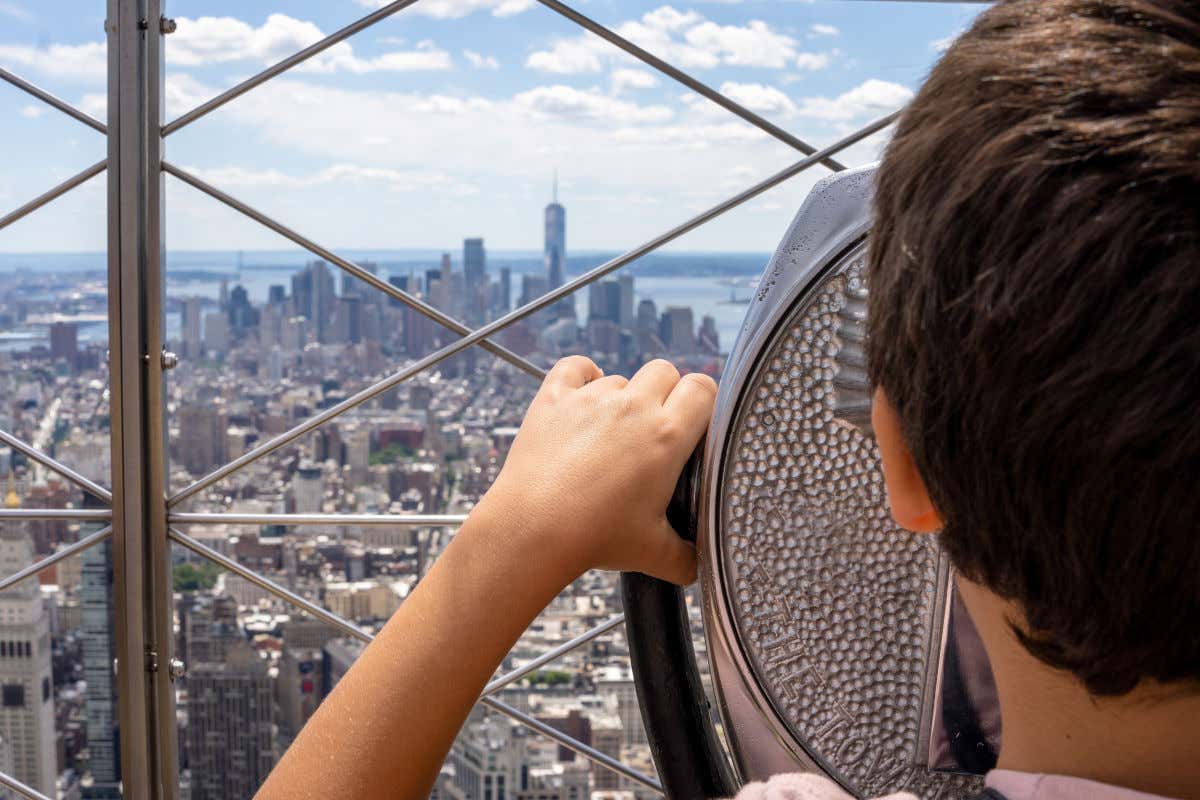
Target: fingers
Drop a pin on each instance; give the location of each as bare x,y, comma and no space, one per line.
655,379
691,403
674,560
608,383
572,372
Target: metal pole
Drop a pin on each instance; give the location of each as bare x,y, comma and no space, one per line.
550,655
75,514
383,520
25,791
87,542
140,549
46,97
328,617
62,469
51,194
159,616
125,366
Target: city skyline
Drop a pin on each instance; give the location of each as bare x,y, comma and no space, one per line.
452,110
253,670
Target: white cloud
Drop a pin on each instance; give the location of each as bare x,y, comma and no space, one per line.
566,57
426,57
626,78
479,61
181,93
456,9
570,103
86,62
392,179
15,11
871,98
685,39
32,112
812,61
689,137
357,166
668,19
759,98
211,40
752,45
820,29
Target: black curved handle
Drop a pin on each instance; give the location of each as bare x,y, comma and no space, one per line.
675,711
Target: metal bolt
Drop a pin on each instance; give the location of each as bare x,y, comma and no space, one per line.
176,669
168,360
167,25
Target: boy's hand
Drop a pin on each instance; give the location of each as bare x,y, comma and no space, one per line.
587,481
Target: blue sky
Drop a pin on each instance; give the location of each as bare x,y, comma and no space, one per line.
448,119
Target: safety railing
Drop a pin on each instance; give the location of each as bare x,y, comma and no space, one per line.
142,520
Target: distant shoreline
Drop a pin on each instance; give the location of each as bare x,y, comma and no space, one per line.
218,264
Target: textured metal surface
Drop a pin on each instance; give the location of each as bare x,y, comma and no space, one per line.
837,611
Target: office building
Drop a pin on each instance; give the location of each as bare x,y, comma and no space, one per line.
99,651
475,280
617,683
348,320
677,330
313,297
192,309
26,695
625,317
201,444
64,342
230,726
216,333
555,252
308,488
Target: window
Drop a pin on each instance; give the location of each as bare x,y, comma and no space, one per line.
14,695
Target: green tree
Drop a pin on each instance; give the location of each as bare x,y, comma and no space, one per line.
192,577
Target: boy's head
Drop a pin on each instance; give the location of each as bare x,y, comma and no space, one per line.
1035,323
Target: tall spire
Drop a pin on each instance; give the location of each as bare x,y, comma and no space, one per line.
556,186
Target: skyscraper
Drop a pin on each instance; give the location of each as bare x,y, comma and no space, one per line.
104,761
313,296
26,697
625,316
192,311
556,251
678,331
230,724
475,269
505,290
201,444
64,342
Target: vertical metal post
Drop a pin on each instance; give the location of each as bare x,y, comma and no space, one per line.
136,317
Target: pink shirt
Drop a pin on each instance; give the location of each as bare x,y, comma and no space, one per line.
1013,785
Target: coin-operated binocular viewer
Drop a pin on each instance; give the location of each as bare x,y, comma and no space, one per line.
835,639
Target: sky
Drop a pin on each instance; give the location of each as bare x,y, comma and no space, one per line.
450,118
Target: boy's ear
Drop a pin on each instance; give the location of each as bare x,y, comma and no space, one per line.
911,507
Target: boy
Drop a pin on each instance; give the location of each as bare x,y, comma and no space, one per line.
1035,344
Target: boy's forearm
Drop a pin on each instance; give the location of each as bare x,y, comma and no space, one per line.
385,730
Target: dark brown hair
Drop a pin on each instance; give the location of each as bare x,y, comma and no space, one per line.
1035,320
